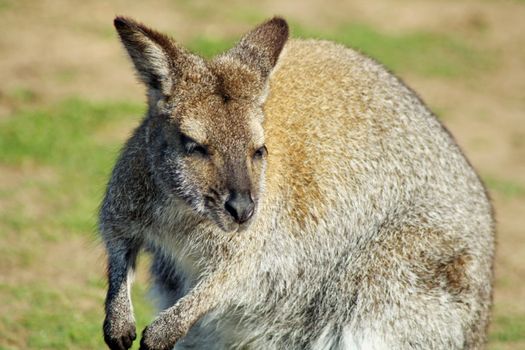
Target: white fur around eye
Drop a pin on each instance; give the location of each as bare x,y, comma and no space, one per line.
257,132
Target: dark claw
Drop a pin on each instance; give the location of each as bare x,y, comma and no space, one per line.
128,340
143,346
123,343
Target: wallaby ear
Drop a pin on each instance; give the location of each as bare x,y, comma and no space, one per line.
261,47
154,55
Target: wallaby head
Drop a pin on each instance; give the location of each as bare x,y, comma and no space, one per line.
204,138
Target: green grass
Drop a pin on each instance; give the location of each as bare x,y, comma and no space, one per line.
63,139
22,95
61,135
60,319
6,4
418,52
427,54
209,46
507,188
509,328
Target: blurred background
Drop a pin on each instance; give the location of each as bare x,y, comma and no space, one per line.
69,98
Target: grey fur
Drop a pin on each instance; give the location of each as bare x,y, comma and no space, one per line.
371,229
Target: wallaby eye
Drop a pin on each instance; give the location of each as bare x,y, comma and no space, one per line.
260,152
191,147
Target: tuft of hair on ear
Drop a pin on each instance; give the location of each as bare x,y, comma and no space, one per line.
260,48
153,54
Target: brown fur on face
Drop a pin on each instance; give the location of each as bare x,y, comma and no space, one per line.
206,116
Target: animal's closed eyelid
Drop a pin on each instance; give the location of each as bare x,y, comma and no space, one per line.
184,139
191,146
194,127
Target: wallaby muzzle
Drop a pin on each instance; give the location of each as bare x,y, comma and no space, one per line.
240,206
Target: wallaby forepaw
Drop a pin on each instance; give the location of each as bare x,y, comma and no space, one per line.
159,335
119,335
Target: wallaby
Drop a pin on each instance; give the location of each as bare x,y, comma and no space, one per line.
293,194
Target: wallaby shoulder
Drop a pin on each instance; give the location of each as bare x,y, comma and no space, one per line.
131,190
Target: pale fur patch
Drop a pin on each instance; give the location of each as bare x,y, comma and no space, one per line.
193,128
366,339
129,282
327,340
257,132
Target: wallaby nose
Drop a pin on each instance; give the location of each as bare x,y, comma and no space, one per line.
240,205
